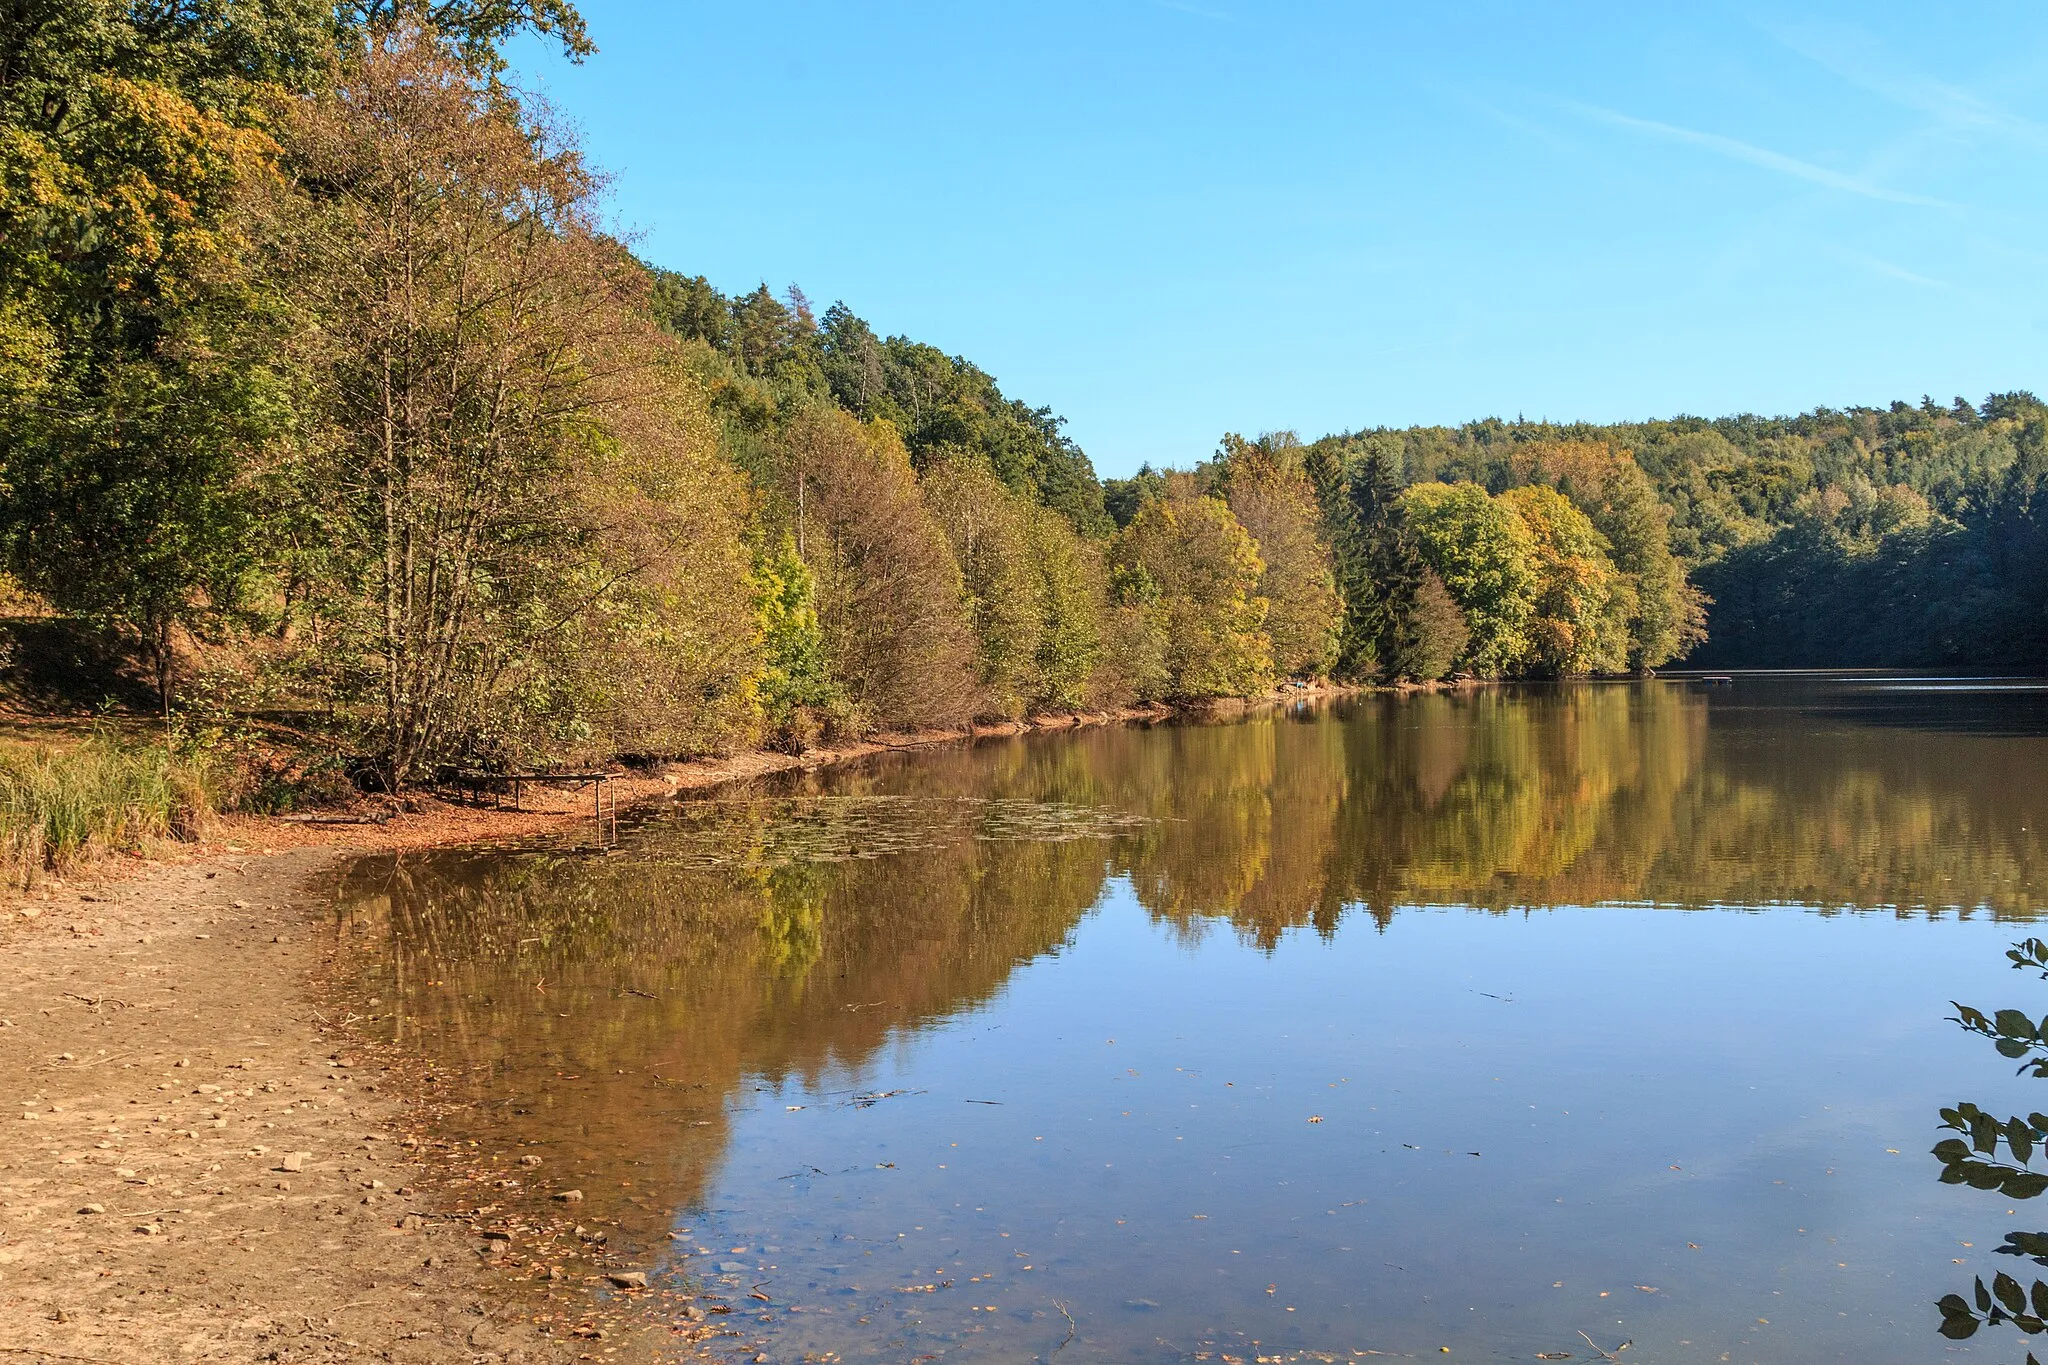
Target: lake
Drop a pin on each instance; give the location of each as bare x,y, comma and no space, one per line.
1508,1024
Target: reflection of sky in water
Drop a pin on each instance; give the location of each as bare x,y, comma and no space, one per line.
1485,1133
1142,1045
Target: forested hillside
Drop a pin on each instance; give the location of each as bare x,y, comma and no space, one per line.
1893,537
327,397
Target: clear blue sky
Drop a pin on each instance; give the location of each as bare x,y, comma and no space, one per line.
1168,219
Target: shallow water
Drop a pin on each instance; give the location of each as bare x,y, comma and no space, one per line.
1477,1022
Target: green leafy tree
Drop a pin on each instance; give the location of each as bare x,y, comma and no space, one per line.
1074,595
1572,628
890,594
135,389
1485,556
531,547
476,29
1206,570
990,531
794,686
1124,498
1268,490
1661,612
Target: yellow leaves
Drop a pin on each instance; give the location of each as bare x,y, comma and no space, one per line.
144,188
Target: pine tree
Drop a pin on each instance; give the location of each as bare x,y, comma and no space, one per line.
1383,572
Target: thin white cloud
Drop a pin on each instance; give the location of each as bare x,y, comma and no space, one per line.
1737,150
1851,55
1880,266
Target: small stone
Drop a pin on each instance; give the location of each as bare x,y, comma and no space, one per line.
529,1161
628,1279
294,1161
93,1208
241,905
66,1057
570,1197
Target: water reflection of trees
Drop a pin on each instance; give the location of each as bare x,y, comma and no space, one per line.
613,1006
1570,796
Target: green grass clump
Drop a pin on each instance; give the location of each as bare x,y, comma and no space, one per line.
60,808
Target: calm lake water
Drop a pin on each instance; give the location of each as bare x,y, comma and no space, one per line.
1474,1022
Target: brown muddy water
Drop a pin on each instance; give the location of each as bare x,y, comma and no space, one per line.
1500,1026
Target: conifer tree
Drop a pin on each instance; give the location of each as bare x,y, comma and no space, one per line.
1384,572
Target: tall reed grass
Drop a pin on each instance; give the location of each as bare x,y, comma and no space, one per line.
61,808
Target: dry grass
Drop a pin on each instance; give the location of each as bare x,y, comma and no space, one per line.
60,808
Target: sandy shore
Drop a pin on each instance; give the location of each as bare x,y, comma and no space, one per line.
198,1161
198,1164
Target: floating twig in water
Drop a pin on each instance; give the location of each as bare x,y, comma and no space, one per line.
1614,1355
863,1101
1072,1327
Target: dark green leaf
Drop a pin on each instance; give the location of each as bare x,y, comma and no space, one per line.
1983,1133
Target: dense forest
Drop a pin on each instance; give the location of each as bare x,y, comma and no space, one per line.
326,395
1909,535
